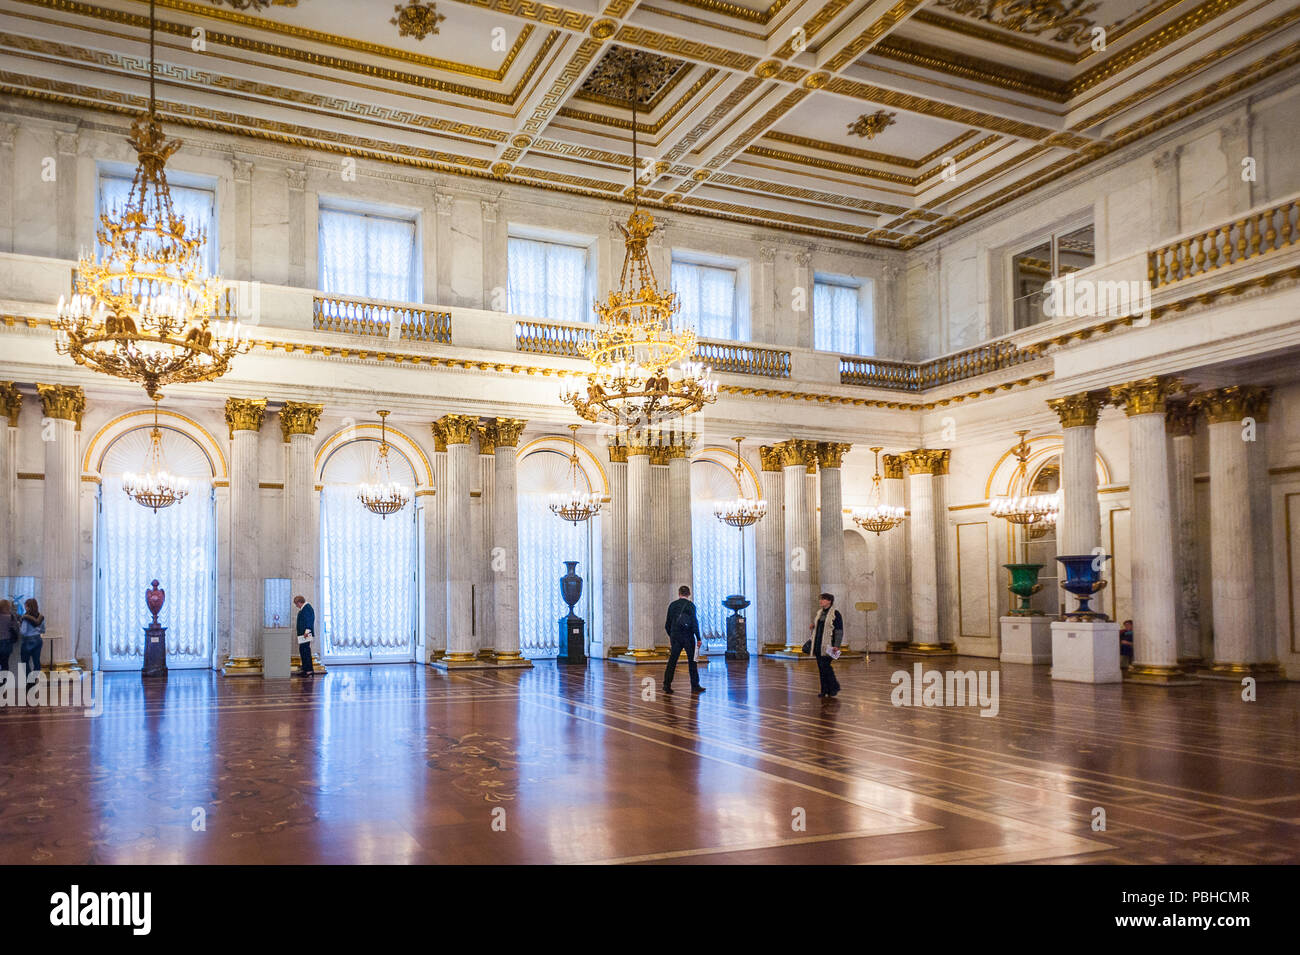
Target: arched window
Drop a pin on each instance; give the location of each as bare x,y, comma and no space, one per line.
175,545
716,553
545,543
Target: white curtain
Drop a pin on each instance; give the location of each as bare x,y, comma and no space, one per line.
715,554
842,320
174,546
708,298
196,206
368,564
547,280
369,256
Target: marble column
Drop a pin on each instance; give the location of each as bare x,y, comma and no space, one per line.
1235,563
245,416
642,605
485,621
616,555
946,558
62,406
435,553
11,403
1180,427
924,465
1261,515
798,545
505,434
810,500
769,587
680,555
1155,615
458,431
894,587
1079,524
830,551
298,423
660,519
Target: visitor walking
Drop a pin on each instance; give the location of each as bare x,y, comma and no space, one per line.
826,650
305,625
8,633
683,629
30,628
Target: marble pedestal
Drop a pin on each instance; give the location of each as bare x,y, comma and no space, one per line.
1085,652
1026,640
279,646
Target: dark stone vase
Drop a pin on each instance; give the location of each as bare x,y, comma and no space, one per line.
155,635
1024,584
573,629
737,642
1083,580
571,585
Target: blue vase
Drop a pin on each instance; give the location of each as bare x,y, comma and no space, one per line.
1083,580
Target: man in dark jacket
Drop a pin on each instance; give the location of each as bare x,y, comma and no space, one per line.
683,634
305,627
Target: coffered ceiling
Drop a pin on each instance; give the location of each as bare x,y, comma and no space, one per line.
883,121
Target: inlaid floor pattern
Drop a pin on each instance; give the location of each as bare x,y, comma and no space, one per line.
401,763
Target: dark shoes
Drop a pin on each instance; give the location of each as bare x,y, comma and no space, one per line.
668,690
697,689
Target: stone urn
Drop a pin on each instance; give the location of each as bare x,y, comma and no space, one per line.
571,585
737,643
154,598
1083,579
1024,584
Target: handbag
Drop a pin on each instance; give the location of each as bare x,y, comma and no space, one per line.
807,646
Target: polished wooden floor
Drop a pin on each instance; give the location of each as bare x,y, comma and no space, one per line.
406,764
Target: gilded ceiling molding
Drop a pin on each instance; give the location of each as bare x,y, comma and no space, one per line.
829,10
965,28
736,11
758,127
11,402
929,107
685,49
676,14
257,4
652,128
417,19
719,112
532,10
555,96
830,165
871,125
1068,18
868,38
952,63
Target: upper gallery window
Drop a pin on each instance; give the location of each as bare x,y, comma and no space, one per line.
549,277
1051,257
711,293
193,198
843,315
369,254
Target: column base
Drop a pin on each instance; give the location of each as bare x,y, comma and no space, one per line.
616,651
1270,672
1085,651
511,659
487,653
462,660
1026,639
65,666
641,656
242,666
435,655
928,650
894,646
795,654
1158,674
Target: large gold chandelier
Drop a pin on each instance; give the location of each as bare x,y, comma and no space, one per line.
878,517
155,487
143,306
575,505
1037,510
383,495
644,370
742,511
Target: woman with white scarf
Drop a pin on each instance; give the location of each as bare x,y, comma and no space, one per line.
826,648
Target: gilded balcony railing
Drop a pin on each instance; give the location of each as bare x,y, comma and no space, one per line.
377,320
909,376
543,338
1254,234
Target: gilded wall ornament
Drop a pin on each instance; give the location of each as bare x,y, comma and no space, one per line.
11,402
623,72
255,4
65,402
1078,411
872,125
299,417
245,414
458,428
417,19
893,467
1068,18
830,454
926,461
770,457
1146,395
1233,403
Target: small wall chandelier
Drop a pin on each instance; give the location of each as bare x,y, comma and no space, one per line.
383,496
1026,510
155,487
142,307
575,505
742,511
644,373
878,517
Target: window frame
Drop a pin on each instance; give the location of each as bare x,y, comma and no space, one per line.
741,327
865,287
588,245
346,206
1051,238
176,179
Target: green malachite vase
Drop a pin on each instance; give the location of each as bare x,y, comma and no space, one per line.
1024,584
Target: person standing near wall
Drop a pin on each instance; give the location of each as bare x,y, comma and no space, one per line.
305,626
30,628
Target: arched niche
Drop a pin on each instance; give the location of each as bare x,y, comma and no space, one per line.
1004,480
561,448
121,445
724,459
347,456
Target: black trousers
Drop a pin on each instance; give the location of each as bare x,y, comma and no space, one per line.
830,684
674,652
304,654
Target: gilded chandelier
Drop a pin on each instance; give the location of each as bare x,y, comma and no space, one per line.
1027,510
877,517
155,487
575,505
383,496
143,306
643,369
742,511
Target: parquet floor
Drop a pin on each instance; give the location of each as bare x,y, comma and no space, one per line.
572,765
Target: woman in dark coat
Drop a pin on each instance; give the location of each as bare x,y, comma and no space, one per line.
31,626
8,632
